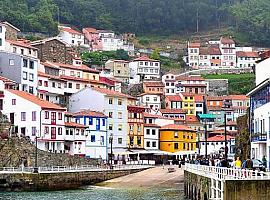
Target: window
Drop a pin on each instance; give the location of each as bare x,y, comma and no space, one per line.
24,75
119,102
110,114
46,83
153,132
110,127
46,130
69,85
11,62
24,63
155,98
34,116
60,130
175,145
147,99
77,86
46,115
0,38
23,116
147,131
40,82
120,140
90,120
31,64
31,77
154,144
147,144
110,101
60,116
34,130
119,115
120,127
139,128
175,134
103,122
93,138
13,101
78,74
131,127
53,132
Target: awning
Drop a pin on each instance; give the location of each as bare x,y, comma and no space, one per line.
181,153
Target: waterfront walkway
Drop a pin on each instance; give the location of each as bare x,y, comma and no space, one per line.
157,176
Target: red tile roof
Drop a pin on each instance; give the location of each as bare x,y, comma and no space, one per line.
148,115
247,54
21,43
204,51
214,98
174,97
40,102
89,113
73,124
172,111
153,84
74,78
176,127
199,98
219,138
151,125
145,58
81,67
90,30
214,50
42,74
191,118
237,97
113,93
194,45
6,80
70,30
227,40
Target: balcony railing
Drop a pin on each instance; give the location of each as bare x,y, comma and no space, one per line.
258,137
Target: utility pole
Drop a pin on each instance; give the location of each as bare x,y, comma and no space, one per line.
225,134
205,133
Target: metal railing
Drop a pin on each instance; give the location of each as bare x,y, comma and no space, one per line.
60,169
222,173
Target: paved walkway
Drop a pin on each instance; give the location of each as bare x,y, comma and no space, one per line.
149,178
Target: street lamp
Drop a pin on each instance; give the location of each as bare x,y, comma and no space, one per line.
111,142
226,105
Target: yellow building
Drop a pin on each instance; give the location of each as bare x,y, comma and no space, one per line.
188,103
174,138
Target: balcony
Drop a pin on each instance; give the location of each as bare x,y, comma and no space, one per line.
259,138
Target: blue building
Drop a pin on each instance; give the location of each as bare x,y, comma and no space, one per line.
96,133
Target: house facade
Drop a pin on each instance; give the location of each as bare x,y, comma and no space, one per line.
151,132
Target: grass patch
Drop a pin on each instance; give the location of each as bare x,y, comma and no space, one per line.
238,83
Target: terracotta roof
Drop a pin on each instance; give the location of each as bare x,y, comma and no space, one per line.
145,58
150,115
74,78
174,97
73,124
90,30
214,108
50,65
153,84
224,40
199,98
239,107
172,111
113,93
189,78
151,125
176,127
214,50
40,102
237,97
81,67
42,74
219,138
214,98
194,45
247,54
204,51
6,80
191,118
89,113
70,30
21,43
229,123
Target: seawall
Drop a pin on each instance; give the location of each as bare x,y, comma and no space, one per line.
59,180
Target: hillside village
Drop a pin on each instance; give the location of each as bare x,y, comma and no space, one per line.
52,98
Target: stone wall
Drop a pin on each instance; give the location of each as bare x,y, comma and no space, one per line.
57,181
17,151
217,87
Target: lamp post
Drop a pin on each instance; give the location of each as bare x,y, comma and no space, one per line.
205,133
226,105
36,157
111,142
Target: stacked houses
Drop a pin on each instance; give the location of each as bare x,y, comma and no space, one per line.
51,97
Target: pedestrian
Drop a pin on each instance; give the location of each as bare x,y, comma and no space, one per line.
237,163
264,161
248,164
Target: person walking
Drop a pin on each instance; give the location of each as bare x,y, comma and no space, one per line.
237,163
264,161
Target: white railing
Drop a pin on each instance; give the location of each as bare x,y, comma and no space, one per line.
222,173
59,169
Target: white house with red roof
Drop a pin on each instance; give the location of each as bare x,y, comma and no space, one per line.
144,68
71,36
193,54
247,59
113,104
33,117
151,132
170,83
228,52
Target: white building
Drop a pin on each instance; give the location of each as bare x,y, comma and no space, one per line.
144,68
31,117
2,36
152,101
170,84
193,54
112,104
151,132
246,59
228,57
96,142
71,36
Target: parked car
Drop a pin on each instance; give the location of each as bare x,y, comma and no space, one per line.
258,165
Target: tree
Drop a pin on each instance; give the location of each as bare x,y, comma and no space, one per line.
155,54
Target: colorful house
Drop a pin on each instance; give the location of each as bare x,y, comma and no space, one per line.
188,103
175,138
